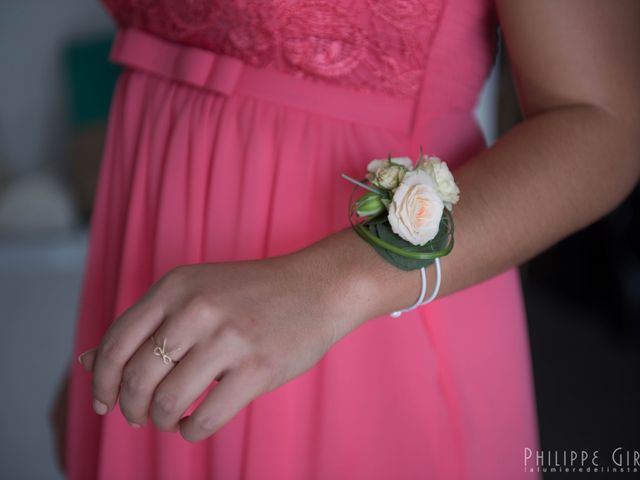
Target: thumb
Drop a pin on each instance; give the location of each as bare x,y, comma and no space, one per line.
86,359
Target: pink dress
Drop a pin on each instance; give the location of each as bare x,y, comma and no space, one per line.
228,131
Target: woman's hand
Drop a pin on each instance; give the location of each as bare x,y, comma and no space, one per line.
251,325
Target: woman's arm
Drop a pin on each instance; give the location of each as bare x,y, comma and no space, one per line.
574,158
256,325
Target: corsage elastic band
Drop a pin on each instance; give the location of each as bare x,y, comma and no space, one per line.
406,215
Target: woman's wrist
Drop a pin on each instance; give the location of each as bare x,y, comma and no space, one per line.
358,283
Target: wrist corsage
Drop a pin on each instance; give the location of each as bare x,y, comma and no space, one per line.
406,214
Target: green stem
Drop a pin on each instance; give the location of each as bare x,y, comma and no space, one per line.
363,185
368,236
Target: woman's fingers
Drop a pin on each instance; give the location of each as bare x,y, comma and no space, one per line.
125,335
141,375
186,382
199,324
87,358
238,387
158,357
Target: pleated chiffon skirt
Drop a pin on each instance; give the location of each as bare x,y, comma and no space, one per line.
194,174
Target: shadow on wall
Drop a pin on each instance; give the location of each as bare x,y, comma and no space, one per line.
599,266
583,308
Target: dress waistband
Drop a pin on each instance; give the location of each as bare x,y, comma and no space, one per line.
228,76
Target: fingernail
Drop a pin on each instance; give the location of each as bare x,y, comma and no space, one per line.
80,357
82,360
99,407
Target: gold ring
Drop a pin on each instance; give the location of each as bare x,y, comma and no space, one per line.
159,351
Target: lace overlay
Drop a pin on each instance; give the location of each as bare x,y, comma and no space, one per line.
378,46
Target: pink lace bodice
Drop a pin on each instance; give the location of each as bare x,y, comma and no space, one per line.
380,46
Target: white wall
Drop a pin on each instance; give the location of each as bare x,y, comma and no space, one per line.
41,281
487,108
32,98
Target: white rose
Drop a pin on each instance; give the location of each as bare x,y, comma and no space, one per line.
388,173
406,162
416,208
443,179
374,165
389,176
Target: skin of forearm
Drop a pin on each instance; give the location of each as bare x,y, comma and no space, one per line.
549,176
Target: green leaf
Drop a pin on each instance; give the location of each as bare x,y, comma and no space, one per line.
381,230
401,253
